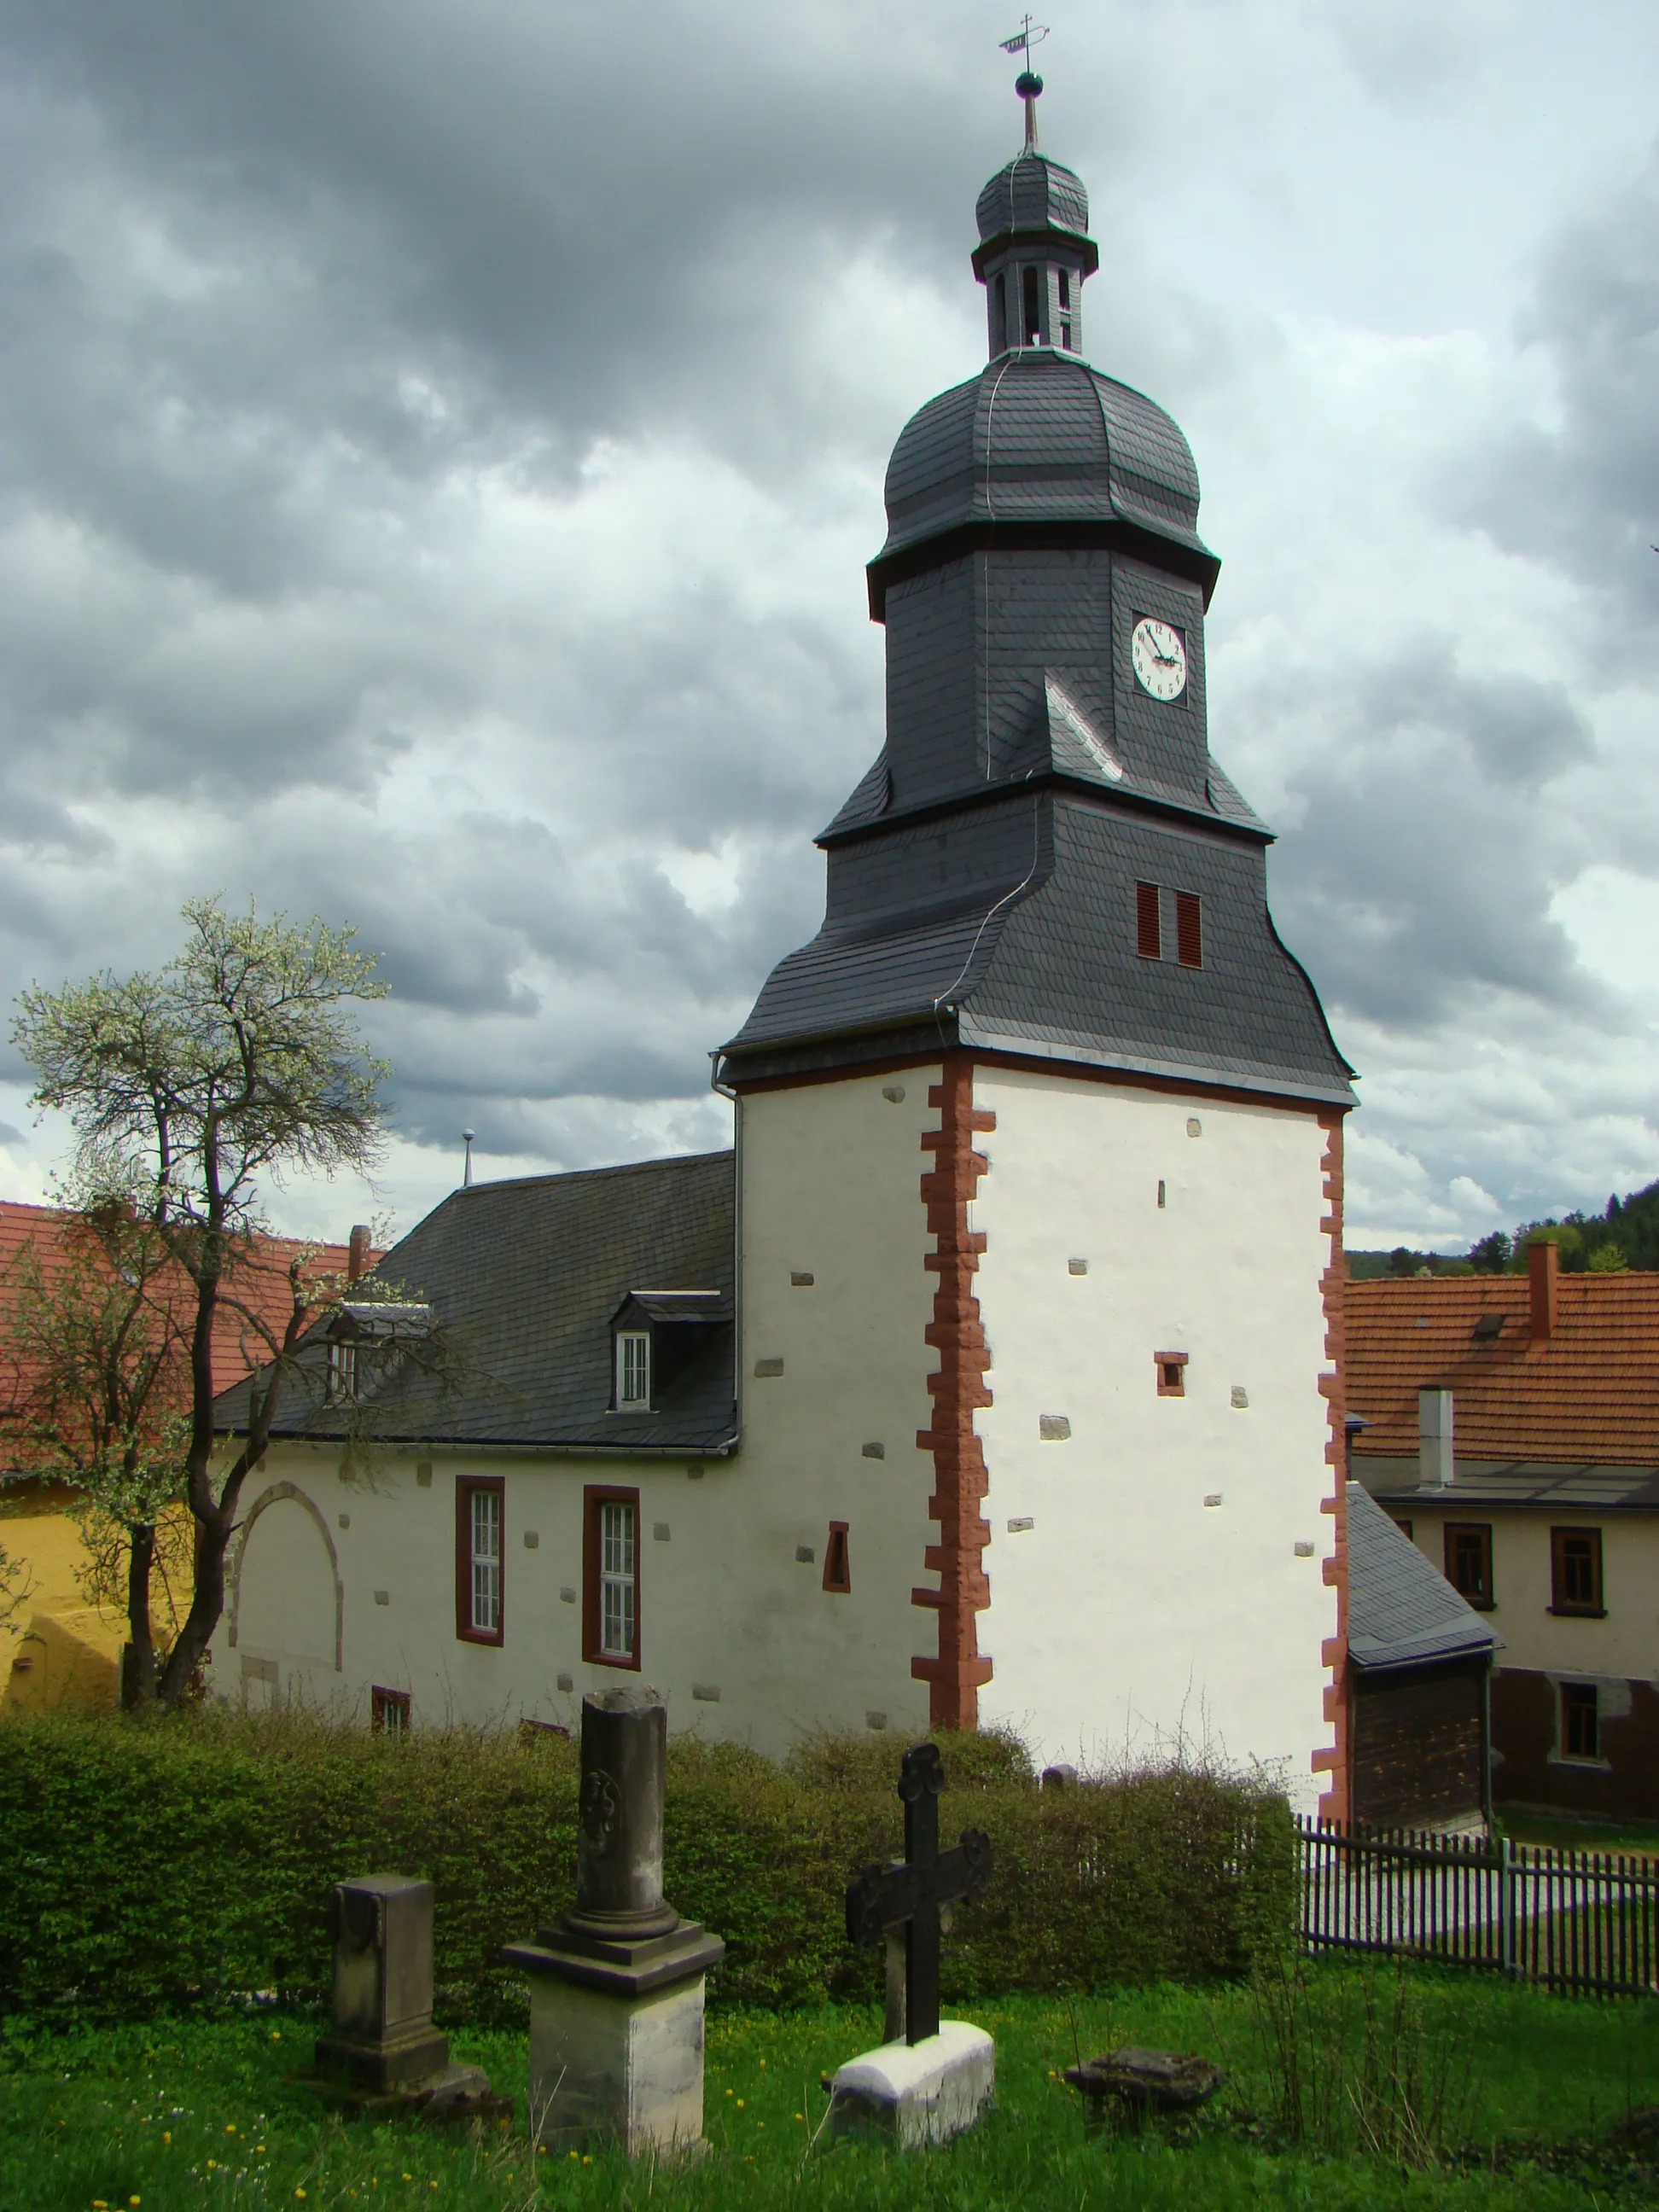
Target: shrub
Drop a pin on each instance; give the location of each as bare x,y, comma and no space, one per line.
188,1861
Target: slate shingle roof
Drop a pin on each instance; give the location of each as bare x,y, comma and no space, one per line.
1401,1610
1032,192
525,1275
981,879
1588,1393
1040,436
1029,947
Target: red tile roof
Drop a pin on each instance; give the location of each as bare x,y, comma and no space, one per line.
1588,1393
261,1284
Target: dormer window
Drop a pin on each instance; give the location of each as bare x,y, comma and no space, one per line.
633,1370
342,1372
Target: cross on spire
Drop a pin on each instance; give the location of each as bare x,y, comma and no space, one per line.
1028,84
910,1892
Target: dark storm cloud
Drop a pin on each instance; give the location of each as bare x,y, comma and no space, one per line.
322,332
1582,489
543,201
1421,872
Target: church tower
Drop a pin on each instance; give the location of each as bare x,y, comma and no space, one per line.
1040,1137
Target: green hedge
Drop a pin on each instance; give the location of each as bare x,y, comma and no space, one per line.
147,1865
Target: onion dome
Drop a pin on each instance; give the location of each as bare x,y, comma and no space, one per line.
1040,440
1032,193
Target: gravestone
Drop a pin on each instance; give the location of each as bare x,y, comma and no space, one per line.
1138,2081
931,2078
383,2055
616,1984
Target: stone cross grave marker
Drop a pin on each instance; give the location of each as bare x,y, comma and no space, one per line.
942,2076
913,1893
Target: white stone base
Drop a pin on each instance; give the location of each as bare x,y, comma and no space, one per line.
917,2094
609,2066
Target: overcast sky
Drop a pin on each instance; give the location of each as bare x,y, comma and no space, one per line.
442,439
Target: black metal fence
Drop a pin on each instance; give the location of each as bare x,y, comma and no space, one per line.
1585,1920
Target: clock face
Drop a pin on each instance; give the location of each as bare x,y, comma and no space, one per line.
1159,658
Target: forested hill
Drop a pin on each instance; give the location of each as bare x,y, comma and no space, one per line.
1626,1235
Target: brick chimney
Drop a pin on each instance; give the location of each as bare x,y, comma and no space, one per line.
357,1252
1435,1467
1543,1272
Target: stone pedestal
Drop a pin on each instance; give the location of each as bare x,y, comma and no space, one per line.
617,1986
383,2055
916,2094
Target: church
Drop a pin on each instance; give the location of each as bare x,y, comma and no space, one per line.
995,1376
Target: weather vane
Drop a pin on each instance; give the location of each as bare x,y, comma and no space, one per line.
1028,84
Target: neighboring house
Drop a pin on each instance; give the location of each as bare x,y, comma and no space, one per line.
996,1375
1513,1433
1419,1660
56,1647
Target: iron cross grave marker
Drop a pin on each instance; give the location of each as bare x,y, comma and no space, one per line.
910,1893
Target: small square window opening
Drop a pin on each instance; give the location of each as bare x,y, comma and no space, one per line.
1581,1721
389,1711
837,1566
1149,931
1468,1562
1171,1374
633,1370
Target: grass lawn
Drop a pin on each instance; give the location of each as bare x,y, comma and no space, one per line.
1633,1838
193,2114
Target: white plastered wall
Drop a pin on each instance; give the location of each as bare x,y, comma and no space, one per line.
831,1187
1130,1614
830,1178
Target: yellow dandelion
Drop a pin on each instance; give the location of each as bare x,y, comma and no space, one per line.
212,2162
586,2160
740,2104
575,2155
728,2093
258,2148
230,2127
299,2192
408,2177
99,2205
763,2061
276,2037
134,2200
800,2115
167,2134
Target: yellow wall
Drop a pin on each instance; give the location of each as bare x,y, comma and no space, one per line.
57,1649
